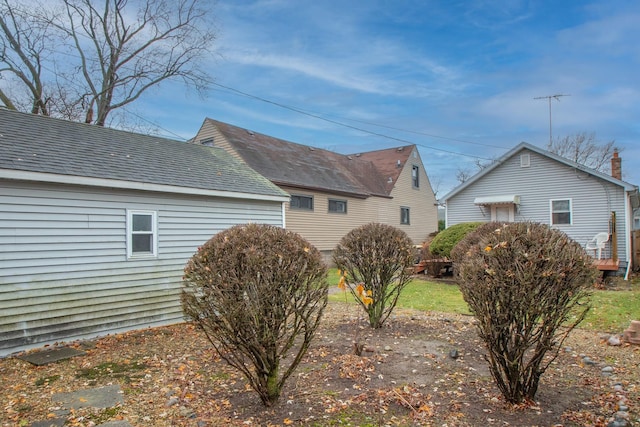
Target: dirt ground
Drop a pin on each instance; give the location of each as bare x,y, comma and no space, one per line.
405,376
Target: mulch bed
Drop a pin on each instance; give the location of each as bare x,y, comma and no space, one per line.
419,369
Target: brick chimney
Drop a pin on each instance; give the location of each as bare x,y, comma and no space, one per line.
616,165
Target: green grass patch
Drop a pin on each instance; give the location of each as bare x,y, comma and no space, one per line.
112,369
47,380
611,310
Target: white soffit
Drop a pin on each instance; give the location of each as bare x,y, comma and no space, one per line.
497,200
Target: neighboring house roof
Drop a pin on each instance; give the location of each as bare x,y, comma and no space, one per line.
389,162
32,145
296,165
524,145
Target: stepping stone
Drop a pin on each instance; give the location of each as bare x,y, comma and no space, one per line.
115,424
55,422
51,355
102,397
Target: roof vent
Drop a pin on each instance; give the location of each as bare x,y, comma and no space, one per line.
390,180
207,141
359,154
250,132
400,149
349,157
312,149
398,163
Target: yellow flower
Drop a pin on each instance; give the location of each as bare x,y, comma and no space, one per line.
487,248
342,284
367,300
360,289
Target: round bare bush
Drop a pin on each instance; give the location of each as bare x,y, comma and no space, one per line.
258,293
378,262
528,286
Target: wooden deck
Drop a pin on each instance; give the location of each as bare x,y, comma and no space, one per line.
606,264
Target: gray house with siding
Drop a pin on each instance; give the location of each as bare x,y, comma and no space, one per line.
532,184
96,225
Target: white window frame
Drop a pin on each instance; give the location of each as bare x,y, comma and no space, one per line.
570,211
337,202
153,232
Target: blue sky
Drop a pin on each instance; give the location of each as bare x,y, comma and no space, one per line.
457,78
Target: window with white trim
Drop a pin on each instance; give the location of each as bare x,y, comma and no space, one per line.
142,234
561,212
338,206
405,216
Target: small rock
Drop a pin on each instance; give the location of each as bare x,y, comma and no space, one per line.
387,348
171,402
568,349
623,408
621,415
618,387
618,423
607,370
614,340
588,361
454,354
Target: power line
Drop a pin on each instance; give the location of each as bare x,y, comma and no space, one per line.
319,117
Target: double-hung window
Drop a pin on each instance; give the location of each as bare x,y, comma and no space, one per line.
142,234
561,212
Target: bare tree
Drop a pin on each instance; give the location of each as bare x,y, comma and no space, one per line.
115,50
24,42
464,174
585,149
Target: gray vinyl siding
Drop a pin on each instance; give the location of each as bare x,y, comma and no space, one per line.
64,272
592,199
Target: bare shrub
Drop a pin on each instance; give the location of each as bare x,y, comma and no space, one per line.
378,262
258,293
527,285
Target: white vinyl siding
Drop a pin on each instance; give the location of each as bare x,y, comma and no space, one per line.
64,270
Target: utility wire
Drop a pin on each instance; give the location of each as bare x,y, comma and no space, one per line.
359,129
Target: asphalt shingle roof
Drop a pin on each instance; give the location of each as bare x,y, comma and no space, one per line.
292,164
42,144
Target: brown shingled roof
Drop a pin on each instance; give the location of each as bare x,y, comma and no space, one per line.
389,162
296,165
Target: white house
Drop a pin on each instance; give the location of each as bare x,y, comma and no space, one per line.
97,224
532,184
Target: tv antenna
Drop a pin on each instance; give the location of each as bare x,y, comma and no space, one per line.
549,98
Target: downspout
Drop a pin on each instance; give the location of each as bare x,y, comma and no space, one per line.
628,211
284,218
